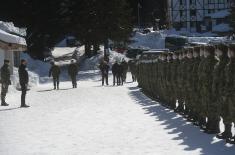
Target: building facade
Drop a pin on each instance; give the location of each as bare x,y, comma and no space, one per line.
198,15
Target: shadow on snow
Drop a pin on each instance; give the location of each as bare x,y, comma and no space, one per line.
192,136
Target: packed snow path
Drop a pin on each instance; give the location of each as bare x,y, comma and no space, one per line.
96,120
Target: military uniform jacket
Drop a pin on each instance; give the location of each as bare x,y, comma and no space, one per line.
5,75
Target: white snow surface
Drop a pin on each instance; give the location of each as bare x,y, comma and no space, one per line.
10,38
96,120
219,14
222,28
10,27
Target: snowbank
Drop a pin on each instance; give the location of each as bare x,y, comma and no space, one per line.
156,40
219,14
151,40
222,28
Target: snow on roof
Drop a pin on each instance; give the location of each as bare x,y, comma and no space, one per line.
10,38
221,28
63,51
10,27
219,14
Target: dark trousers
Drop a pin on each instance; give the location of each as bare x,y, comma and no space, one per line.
105,78
23,94
4,92
114,79
119,80
56,82
74,81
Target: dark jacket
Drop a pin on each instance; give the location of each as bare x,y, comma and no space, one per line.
23,75
54,71
5,75
104,68
73,69
115,68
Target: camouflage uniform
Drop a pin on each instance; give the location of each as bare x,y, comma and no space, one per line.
194,85
207,77
218,85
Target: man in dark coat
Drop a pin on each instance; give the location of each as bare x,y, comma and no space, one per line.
104,68
119,74
73,71
24,80
55,72
125,69
114,71
5,81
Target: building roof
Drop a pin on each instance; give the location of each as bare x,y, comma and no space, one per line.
12,39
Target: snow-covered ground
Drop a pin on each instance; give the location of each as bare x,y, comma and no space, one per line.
98,120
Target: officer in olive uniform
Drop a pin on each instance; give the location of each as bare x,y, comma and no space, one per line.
73,71
55,72
5,81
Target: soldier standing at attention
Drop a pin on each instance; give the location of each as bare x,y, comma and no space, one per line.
174,81
73,71
55,72
188,83
24,80
5,81
207,79
228,108
195,95
218,85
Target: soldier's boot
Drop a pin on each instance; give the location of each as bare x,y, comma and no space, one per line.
3,102
227,132
202,122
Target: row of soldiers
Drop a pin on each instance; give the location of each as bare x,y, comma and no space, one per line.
197,82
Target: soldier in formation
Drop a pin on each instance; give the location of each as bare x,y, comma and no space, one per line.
197,82
55,73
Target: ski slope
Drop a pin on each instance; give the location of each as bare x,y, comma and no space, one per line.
96,120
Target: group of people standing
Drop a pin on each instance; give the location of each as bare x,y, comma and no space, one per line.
55,72
119,71
202,81
6,81
24,78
